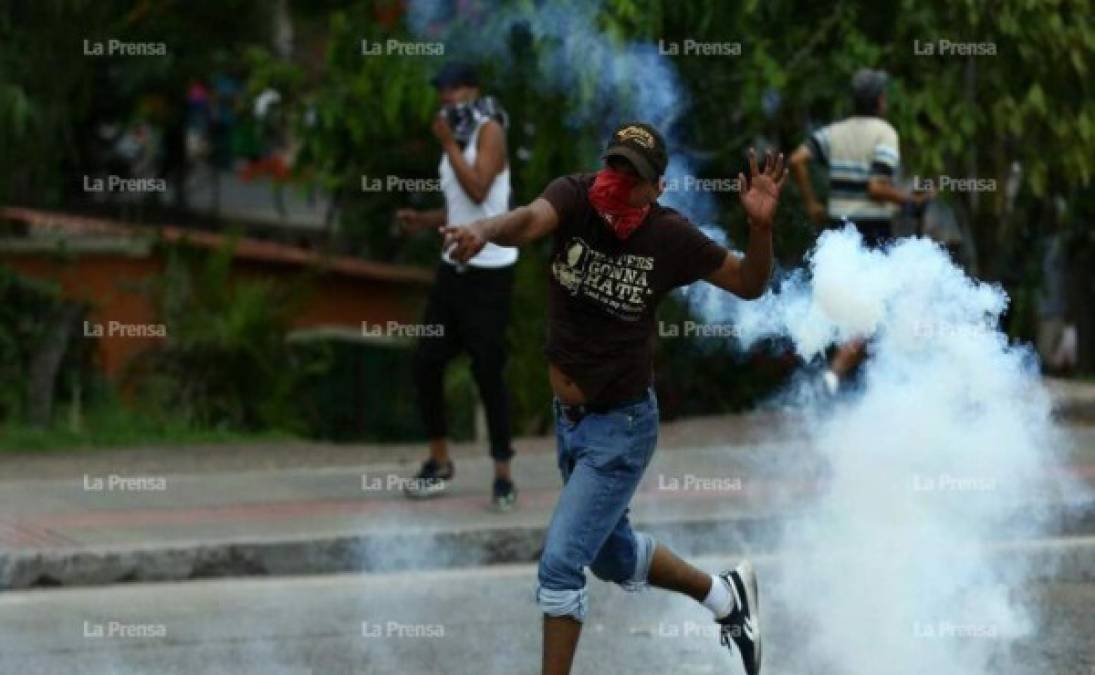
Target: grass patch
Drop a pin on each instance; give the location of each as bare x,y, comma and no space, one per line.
116,426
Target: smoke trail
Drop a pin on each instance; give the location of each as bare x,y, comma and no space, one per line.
606,80
947,448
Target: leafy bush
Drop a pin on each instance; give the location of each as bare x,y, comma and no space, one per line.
25,307
226,362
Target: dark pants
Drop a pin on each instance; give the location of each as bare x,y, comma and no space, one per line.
473,308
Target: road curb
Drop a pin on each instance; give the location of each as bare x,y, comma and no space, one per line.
1072,552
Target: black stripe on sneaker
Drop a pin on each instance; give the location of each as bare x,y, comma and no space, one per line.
739,591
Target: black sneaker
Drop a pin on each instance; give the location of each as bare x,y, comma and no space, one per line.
504,494
431,480
743,624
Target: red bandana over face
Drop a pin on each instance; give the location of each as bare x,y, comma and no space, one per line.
608,195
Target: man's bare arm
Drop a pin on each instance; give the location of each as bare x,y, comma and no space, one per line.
432,217
513,228
490,160
882,189
413,220
747,276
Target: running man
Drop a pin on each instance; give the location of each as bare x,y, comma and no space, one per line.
616,254
470,300
862,155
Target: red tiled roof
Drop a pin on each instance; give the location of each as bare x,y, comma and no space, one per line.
249,249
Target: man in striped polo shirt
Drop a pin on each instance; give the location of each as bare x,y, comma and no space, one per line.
862,155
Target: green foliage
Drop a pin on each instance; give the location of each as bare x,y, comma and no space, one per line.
111,423
25,305
526,371
53,96
364,116
962,116
959,116
226,363
1031,103
362,390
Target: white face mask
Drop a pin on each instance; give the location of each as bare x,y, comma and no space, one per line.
464,117
462,120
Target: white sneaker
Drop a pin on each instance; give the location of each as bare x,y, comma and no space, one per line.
742,625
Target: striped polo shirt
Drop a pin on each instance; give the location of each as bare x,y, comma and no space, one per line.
856,149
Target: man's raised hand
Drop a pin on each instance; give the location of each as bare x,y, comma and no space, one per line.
760,195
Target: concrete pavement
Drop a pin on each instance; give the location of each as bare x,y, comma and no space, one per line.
104,528
467,621
733,480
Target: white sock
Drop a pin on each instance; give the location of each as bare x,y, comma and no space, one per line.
832,381
719,599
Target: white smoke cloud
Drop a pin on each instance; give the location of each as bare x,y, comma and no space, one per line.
946,448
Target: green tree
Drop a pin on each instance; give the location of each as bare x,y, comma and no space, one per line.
226,362
54,96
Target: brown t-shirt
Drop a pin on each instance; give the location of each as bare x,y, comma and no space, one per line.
604,291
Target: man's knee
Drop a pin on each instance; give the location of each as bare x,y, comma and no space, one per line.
557,570
615,566
561,590
627,566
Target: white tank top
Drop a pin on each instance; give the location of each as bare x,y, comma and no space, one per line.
461,210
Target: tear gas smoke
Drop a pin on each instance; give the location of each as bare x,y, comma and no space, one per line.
945,449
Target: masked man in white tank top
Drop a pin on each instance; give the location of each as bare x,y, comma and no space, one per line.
469,301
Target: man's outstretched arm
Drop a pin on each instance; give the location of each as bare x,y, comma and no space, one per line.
513,228
747,276
882,189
